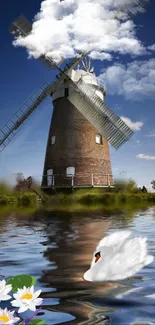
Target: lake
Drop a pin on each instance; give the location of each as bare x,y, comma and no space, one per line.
57,250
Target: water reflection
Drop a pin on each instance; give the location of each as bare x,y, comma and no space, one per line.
57,251
75,244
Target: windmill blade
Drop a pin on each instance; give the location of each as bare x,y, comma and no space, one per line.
98,120
22,27
98,102
69,66
116,130
10,129
104,120
49,63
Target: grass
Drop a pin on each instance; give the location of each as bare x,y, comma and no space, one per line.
20,199
124,195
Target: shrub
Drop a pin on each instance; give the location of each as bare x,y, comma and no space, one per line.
4,189
26,199
3,200
122,186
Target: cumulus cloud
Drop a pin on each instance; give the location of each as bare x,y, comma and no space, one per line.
134,80
135,126
151,47
145,157
62,28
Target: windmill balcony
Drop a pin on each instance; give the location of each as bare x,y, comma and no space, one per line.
77,181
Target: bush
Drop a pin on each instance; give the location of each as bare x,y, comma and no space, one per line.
122,186
4,189
3,200
26,199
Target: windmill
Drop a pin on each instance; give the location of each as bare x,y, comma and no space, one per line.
77,152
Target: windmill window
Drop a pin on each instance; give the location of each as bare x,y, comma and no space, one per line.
66,92
53,139
70,171
49,177
98,139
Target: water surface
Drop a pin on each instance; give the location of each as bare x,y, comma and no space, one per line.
57,251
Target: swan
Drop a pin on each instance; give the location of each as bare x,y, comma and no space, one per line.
118,257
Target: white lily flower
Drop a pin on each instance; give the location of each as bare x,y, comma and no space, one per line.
26,298
7,317
4,290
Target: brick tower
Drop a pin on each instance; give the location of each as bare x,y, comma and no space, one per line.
76,154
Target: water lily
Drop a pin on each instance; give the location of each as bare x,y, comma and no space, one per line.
4,290
26,298
7,317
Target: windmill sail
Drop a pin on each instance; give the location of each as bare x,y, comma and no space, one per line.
23,27
90,92
104,120
10,129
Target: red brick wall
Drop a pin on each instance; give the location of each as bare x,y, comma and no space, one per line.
75,145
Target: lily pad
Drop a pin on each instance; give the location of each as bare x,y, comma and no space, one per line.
21,280
36,321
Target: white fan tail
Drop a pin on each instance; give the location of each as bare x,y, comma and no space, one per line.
115,238
149,259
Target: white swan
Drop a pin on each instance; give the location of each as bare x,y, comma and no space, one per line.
117,257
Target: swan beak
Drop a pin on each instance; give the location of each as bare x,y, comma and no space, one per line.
97,258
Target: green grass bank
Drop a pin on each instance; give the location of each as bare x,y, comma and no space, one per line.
86,198
123,194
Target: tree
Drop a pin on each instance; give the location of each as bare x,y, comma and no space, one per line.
126,186
20,182
153,184
144,189
132,186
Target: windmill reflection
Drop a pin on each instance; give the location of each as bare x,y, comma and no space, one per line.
70,247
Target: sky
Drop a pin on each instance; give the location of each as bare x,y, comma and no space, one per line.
123,56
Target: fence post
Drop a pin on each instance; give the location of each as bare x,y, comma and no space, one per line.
92,180
72,180
108,180
53,181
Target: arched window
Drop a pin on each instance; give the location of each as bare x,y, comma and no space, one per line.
70,171
53,139
49,177
98,139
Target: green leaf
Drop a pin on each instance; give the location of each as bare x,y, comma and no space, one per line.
35,321
21,280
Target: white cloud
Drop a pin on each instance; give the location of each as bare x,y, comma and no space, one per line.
145,157
151,47
62,28
151,135
100,56
138,141
135,80
135,126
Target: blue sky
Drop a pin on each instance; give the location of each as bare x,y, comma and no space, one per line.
21,76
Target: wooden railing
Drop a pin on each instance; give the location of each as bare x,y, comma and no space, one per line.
77,180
